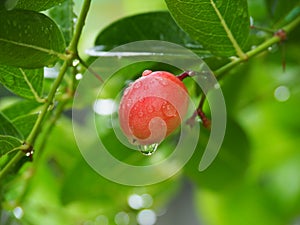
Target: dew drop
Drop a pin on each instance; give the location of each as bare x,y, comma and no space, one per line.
137,85
140,114
150,109
126,91
272,48
75,62
168,110
148,149
78,76
146,72
146,87
129,102
162,81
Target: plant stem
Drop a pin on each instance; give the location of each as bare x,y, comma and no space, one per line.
11,163
79,26
262,47
36,129
30,141
59,110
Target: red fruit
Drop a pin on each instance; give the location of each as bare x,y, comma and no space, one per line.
152,107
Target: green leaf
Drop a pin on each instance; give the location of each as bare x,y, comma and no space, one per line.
8,143
23,82
147,26
35,5
229,166
221,26
29,39
20,108
7,127
25,123
64,16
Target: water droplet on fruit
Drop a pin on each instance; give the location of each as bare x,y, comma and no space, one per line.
162,81
146,72
137,85
129,102
150,109
126,91
148,149
146,87
140,114
168,110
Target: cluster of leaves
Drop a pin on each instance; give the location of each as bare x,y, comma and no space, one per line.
243,177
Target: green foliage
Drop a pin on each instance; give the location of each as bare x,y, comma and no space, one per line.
64,16
281,12
214,24
8,143
146,26
253,180
23,82
233,155
7,128
36,5
29,35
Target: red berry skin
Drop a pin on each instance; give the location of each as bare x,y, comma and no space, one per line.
152,107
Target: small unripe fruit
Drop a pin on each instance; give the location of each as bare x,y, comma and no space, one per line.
152,107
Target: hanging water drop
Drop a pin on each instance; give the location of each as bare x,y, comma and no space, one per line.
148,149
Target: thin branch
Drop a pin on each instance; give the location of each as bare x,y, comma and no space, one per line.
261,48
83,63
30,141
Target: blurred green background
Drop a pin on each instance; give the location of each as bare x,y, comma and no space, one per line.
254,180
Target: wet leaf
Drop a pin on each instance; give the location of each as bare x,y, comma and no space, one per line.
25,123
65,17
216,24
7,127
20,108
23,82
8,143
29,39
147,26
36,5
